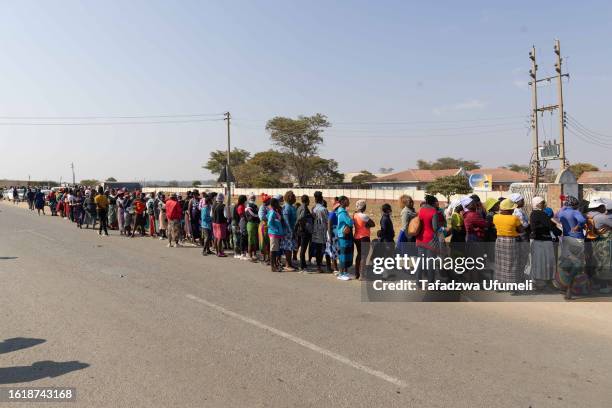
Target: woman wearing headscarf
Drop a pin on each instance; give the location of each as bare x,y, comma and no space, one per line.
599,232
454,221
571,277
543,261
344,233
252,226
219,219
406,215
508,228
289,243
112,210
264,238
363,224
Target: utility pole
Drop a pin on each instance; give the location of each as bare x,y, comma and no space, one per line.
227,168
561,111
73,177
535,164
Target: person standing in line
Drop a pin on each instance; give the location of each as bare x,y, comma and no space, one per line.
174,213
252,227
15,196
30,197
163,219
112,210
219,219
543,261
288,243
427,241
53,203
264,238
571,277
406,215
121,212
206,224
101,202
151,214
78,209
507,250
319,232
363,224
238,220
276,232
90,209
304,228
140,207
599,234
344,233
331,248
39,201
195,217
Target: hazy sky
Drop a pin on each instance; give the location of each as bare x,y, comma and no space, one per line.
399,80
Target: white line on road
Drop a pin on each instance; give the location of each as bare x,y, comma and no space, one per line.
301,342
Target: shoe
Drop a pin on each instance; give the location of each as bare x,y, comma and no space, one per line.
236,256
343,277
169,245
244,258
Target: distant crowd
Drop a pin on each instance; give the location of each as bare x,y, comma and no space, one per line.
568,250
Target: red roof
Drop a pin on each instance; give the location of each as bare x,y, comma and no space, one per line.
499,175
596,177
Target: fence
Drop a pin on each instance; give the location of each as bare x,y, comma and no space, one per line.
374,195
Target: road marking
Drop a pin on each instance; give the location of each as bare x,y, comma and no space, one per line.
301,342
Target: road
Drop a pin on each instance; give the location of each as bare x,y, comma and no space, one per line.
131,323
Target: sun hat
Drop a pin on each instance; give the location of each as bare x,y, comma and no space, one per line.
465,201
507,204
596,203
536,201
490,203
516,197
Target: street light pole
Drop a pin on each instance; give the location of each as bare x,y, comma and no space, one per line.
73,176
227,168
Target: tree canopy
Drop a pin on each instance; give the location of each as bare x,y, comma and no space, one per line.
323,172
579,168
299,139
363,177
449,186
111,180
518,167
444,163
218,160
89,182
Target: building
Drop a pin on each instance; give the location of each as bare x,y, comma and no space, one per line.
419,179
117,185
596,180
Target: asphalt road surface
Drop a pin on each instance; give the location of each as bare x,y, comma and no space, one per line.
131,323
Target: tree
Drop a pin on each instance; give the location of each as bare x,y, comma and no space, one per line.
386,170
173,183
111,180
323,172
195,183
264,169
444,163
579,168
449,186
363,177
218,160
518,167
299,139
89,182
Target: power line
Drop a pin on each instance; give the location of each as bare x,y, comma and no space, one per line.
110,117
107,123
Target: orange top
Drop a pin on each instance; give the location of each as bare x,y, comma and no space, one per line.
360,220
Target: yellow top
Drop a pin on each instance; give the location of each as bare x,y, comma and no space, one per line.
101,201
506,225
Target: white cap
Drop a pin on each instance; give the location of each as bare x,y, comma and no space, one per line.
536,201
596,203
516,197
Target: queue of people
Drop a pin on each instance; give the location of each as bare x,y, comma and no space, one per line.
568,250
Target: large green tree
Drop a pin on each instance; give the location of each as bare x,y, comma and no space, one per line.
449,186
579,168
444,163
518,167
324,172
218,160
363,177
89,182
300,140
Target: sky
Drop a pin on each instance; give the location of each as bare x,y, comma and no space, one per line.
398,80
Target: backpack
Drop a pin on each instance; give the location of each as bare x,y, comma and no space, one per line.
415,226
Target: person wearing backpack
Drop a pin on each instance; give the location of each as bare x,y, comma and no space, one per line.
304,227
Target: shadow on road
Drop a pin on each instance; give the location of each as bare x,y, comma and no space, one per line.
18,343
7,257
38,370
